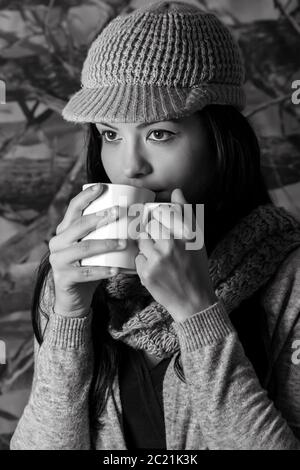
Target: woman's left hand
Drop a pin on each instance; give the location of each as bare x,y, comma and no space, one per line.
176,277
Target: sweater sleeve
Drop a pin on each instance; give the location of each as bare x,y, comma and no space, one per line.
234,411
56,416
287,380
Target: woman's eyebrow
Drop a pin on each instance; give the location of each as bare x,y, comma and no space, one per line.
143,124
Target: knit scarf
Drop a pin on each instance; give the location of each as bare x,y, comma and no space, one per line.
242,262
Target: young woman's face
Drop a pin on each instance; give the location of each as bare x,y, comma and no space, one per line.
160,156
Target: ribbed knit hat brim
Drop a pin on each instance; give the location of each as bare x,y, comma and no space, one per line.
147,103
162,61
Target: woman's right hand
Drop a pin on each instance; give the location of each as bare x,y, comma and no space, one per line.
75,284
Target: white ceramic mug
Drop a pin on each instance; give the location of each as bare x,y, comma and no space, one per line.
131,201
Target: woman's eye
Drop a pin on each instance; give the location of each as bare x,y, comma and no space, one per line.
158,134
109,139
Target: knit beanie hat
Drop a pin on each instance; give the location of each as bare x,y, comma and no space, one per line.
166,60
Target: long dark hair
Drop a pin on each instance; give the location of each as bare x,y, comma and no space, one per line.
238,189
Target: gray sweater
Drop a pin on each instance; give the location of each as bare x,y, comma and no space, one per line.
222,404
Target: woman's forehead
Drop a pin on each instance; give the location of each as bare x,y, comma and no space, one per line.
140,125
137,125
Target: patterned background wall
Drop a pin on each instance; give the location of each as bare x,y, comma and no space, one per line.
42,47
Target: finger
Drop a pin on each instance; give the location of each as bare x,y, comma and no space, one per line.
162,237
88,273
85,249
77,205
82,227
172,218
194,221
146,245
140,265
156,230
178,197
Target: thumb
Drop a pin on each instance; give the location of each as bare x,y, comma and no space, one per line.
189,221
177,196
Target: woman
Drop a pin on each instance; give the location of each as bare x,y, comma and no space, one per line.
194,352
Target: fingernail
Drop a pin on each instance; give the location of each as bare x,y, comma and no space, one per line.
114,271
102,214
96,186
114,211
122,243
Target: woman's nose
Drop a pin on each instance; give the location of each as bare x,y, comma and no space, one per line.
135,165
